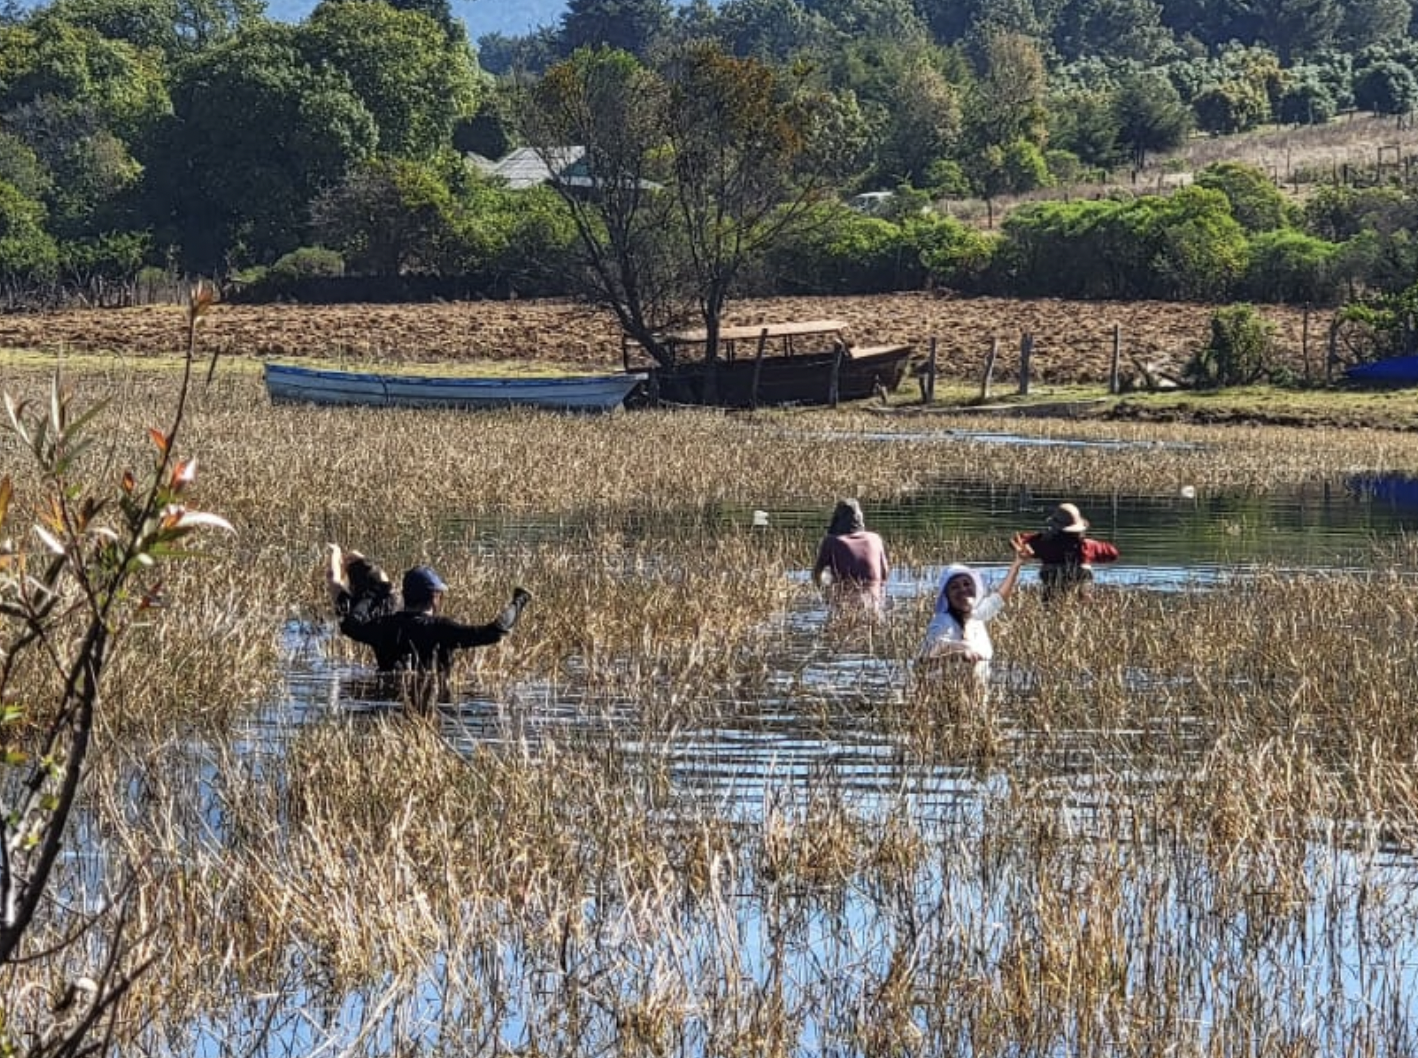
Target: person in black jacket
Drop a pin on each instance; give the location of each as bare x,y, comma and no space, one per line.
413,637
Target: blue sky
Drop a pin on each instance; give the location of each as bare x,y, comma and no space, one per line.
509,17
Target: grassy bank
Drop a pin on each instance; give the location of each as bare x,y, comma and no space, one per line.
1338,406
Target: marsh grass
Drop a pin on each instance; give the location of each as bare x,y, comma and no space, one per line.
1182,823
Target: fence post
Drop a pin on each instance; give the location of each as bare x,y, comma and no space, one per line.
1305,340
928,390
989,369
1117,355
1026,354
757,369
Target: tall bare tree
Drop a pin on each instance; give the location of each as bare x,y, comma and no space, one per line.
677,180
597,122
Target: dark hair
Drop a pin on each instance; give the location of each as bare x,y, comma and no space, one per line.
846,518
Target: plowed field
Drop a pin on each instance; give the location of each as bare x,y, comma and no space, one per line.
1073,341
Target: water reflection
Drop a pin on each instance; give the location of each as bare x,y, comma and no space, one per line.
821,717
835,664
1000,437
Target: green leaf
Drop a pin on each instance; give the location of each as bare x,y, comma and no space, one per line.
83,420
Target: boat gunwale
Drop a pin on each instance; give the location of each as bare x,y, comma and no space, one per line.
455,381
749,332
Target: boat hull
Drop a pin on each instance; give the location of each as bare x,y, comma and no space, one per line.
588,393
776,380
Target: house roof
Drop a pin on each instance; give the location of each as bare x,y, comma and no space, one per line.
527,167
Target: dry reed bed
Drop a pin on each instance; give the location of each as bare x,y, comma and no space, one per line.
1184,792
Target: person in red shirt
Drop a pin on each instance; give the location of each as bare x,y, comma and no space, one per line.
851,559
1066,553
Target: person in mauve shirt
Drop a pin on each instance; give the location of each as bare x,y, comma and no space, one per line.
851,559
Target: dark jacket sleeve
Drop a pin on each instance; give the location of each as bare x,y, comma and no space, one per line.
454,635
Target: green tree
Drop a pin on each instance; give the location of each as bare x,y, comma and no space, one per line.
1366,22
533,53
955,255
1239,351
1180,246
896,21
489,132
1151,115
1339,211
27,251
440,11
1011,168
1292,27
843,252
514,240
636,26
204,23
389,216
922,123
408,75
1200,249
48,58
1007,102
103,264
89,171
175,29
257,132
1230,106
1106,255
149,25
1290,266
1305,97
1085,122
1255,200
1130,30
21,167
773,30
1386,87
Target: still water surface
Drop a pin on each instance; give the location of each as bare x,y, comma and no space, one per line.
1166,545
817,721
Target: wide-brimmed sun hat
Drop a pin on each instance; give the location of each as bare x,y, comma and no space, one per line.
1067,519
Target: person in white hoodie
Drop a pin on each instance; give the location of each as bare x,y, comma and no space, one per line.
957,643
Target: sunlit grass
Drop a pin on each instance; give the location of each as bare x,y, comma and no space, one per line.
1160,800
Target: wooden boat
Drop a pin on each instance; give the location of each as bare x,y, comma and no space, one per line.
287,383
1395,371
808,362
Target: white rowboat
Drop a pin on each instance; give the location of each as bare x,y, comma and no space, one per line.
287,383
